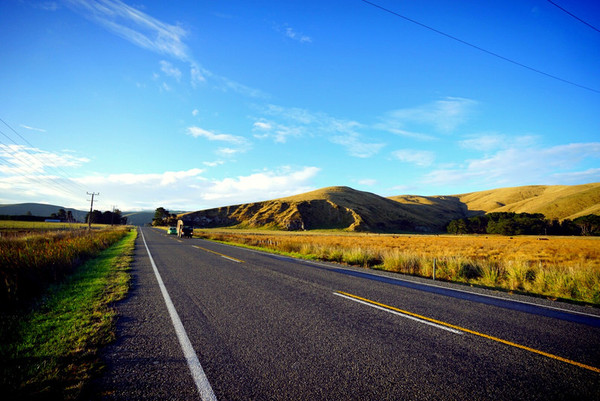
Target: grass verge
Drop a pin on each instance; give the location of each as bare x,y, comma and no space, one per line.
561,268
51,352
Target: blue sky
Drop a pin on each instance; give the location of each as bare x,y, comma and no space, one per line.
196,104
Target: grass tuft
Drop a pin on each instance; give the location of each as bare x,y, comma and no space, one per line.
561,267
51,352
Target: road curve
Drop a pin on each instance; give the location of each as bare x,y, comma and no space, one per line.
265,327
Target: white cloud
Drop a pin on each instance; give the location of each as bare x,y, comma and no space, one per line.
25,160
292,34
297,122
229,151
279,132
154,35
47,5
516,165
356,147
369,182
262,125
34,175
443,116
421,158
264,185
165,179
198,132
32,128
170,70
490,142
214,164
135,26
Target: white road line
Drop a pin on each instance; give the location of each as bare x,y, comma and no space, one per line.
232,259
202,384
400,314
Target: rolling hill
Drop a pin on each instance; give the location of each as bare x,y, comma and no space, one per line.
42,209
554,201
38,209
331,208
352,210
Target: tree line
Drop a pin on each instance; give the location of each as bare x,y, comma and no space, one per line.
162,217
510,223
106,217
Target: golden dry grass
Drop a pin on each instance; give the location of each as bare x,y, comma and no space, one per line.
555,267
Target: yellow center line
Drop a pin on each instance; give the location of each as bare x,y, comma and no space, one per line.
510,343
220,254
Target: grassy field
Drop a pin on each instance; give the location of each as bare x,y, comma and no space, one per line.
35,255
50,349
10,226
554,267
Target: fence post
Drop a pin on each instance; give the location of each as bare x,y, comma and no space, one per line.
434,266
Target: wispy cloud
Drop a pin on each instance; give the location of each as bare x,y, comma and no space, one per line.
279,132
135,26
442,116
292,34
490,142
32,128
355,146
263,185
170,70
421,158
25,160
190,190
282,123
154,35
165,179
34,175
239,143
368,182
516,165
198,132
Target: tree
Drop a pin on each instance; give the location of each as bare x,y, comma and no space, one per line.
589,225
162,217
107,217
159,215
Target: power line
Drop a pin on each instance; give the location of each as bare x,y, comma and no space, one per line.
387,10
573,15
27,174
57,170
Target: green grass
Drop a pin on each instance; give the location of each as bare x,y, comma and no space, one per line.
42,226
51,352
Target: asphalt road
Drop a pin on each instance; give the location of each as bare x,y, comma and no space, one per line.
265,327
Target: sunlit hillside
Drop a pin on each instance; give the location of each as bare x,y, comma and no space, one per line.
554,201
352,210
327,208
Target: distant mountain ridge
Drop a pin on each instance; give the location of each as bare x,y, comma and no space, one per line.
42,209
39,209
353,210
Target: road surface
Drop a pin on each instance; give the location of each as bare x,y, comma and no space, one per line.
266,327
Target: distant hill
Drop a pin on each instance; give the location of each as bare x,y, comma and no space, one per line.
39,209
327,208
139,218
554,201
352,210
42,209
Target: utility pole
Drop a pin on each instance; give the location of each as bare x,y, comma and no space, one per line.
91,207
